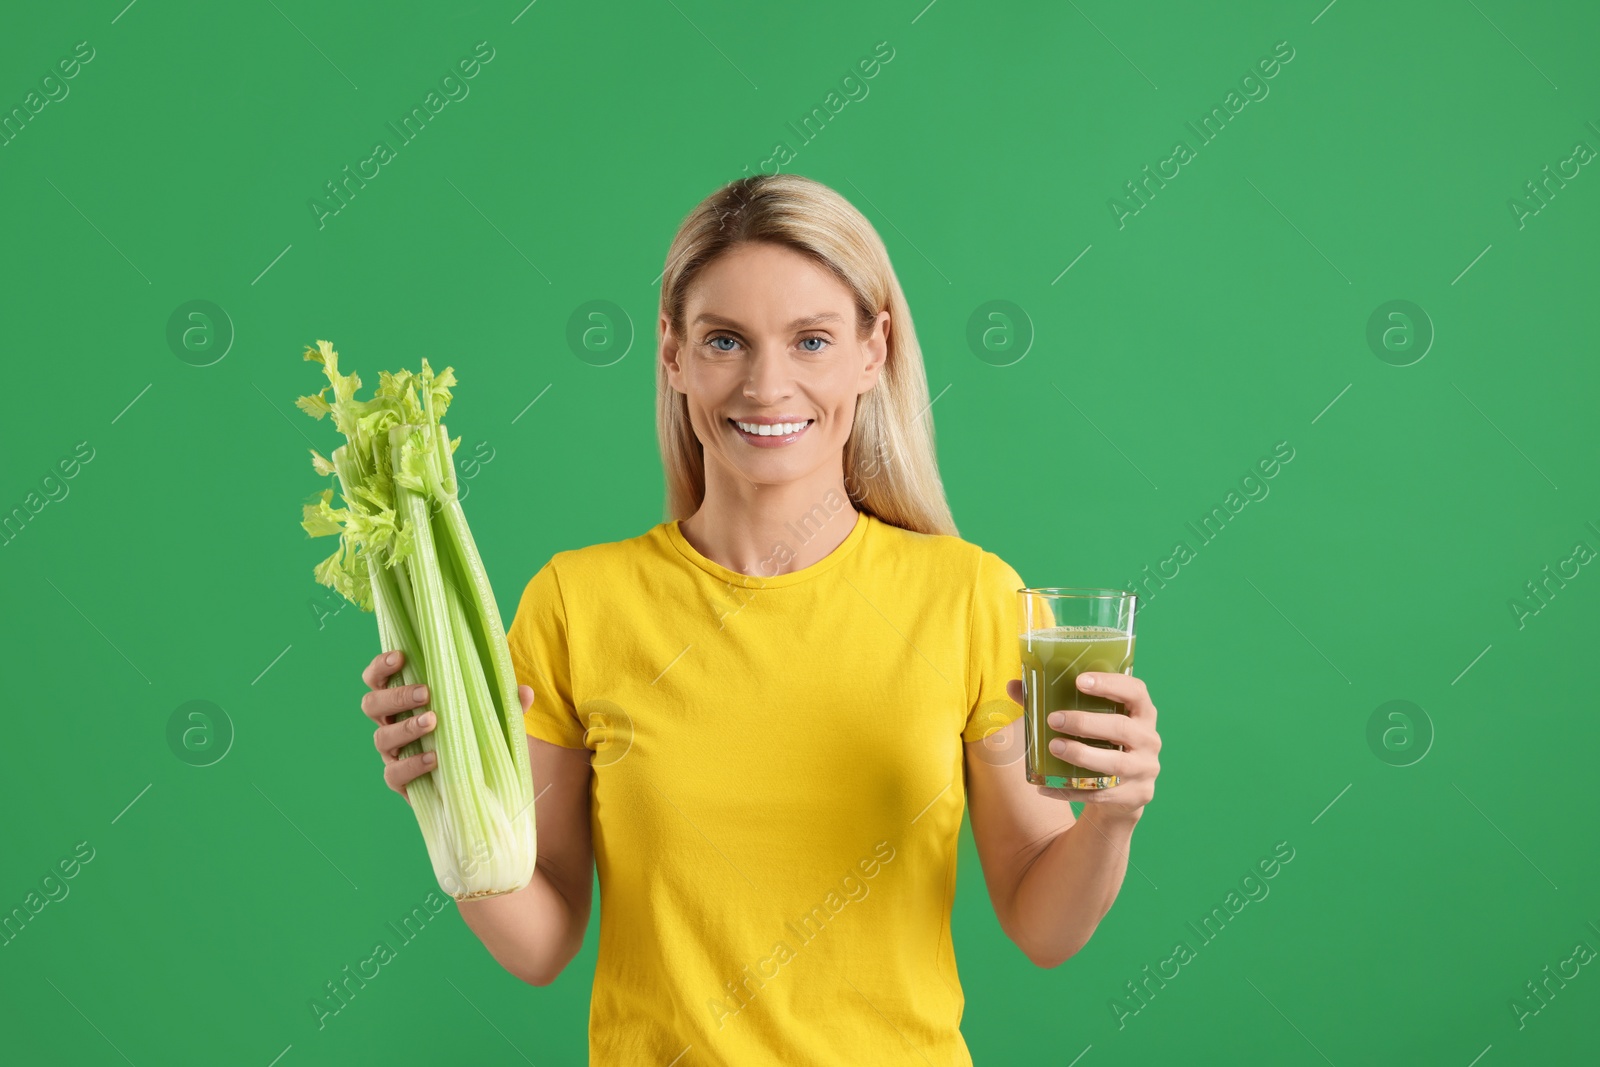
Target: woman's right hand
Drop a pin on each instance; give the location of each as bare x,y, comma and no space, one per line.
381,705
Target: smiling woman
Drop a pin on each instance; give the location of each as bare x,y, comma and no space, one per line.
784,274
797,668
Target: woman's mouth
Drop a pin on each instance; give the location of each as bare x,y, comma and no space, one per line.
771,435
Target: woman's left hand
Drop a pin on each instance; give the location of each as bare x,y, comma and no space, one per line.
1136,766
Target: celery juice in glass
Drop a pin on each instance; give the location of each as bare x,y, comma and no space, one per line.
1066,632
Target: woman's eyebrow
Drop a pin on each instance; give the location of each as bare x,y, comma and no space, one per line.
798,324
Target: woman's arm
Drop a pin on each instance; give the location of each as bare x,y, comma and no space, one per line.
536,931
1051,877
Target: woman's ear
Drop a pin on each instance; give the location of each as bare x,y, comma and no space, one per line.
876,349
668,350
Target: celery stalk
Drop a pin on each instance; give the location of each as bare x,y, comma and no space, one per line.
406,553
487,624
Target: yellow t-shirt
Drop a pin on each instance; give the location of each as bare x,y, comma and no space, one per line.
777,786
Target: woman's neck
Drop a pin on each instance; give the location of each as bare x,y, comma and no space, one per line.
766,531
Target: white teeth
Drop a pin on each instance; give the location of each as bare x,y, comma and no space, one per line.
779,429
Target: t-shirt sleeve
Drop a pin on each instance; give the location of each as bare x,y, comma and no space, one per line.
540,657
996,657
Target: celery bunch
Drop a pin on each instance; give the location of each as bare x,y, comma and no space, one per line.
405,553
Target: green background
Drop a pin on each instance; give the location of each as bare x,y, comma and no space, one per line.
1438,867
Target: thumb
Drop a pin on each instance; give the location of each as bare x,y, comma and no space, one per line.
525,694
1014,690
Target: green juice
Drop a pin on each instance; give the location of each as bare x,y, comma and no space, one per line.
1052,659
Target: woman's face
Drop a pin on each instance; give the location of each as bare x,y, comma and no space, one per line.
771,344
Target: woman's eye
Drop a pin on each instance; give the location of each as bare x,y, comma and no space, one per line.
824,341
713,343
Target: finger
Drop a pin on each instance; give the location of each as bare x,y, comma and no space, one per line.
378,671
525,694
402,771
379,704
390,738
1101,725
1015,691
1125,689
1098,760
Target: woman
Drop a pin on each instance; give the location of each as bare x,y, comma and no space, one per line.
761,718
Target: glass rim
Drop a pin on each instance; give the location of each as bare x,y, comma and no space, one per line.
1084,592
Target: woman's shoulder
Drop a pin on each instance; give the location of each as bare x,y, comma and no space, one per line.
951,554
933,544
604,558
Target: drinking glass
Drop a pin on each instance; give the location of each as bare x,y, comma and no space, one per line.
1066,631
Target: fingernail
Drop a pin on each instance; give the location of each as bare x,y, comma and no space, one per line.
1057,719
428,759
1086,681
392,659
419,693
426,719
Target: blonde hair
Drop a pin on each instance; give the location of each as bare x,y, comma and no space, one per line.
890,468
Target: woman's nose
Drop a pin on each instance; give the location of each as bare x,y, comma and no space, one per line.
769,379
